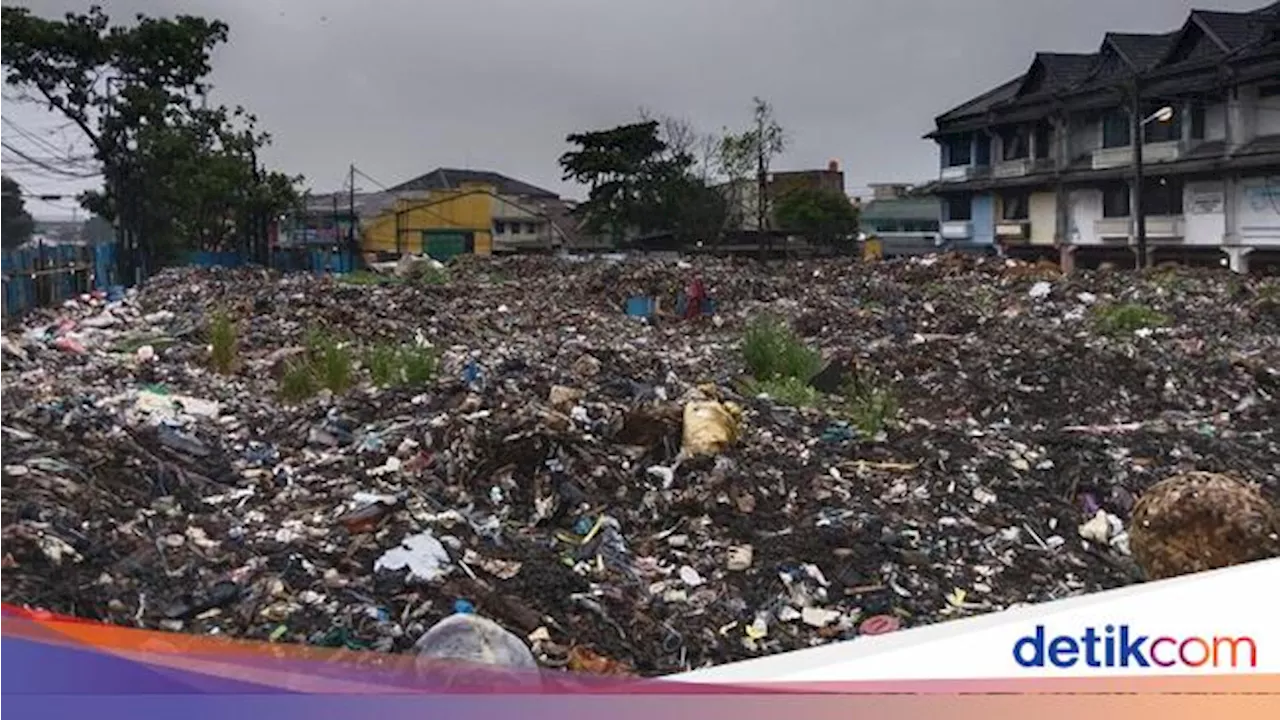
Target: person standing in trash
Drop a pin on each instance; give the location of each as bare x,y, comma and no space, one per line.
694,295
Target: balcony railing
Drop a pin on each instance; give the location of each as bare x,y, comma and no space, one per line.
1014,230
957,229
1151,153
957,173
1158,226
1012,168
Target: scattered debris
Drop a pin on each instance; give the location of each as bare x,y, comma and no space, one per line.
610,487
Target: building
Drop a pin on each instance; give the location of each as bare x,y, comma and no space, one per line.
742,196
1044,165
902,220
443,213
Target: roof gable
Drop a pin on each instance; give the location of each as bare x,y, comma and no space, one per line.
1050,72
1139,51
1231,31
1192,44
454,178
983,102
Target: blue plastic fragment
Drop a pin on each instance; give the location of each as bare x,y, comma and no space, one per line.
463,607
583,525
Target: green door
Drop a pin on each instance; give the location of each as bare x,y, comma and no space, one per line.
444,244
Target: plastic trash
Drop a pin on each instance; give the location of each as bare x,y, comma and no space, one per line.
640,306
710,427
422,554
461,642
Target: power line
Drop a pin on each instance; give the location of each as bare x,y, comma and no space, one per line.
50,168
365,175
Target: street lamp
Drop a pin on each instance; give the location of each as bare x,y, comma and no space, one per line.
1164,115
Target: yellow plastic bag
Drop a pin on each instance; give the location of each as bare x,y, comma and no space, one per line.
710,427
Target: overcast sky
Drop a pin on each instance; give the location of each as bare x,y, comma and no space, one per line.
400,87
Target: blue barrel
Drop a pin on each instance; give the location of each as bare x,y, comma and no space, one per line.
640,306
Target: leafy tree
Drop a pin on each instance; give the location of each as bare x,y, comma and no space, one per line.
18,223
637,183
824,217
178,173
740,156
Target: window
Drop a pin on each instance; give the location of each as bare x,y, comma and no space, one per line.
958,151
959,207
1161,196
1267,91
499,227
1014,142
530,229
983,157
1156,131
1197,121
1044,141
1115,129
1115,200
1015,206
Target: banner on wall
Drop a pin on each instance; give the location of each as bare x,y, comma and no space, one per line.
1206,202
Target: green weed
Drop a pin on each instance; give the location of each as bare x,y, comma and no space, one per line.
222,338
772,351
1128,317
383,365
418,364
298,383
786,391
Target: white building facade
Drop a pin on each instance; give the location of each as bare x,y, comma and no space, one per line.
1044,165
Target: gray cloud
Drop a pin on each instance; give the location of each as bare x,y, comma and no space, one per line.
402,86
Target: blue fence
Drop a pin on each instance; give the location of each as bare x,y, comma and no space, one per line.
285,260
50,274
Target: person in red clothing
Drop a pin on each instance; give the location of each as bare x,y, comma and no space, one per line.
694,296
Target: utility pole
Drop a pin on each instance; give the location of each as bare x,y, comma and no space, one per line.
351,218
1139,212
762,186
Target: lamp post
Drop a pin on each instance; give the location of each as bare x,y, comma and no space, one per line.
1164,115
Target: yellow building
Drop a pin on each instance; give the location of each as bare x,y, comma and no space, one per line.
439,223
449,212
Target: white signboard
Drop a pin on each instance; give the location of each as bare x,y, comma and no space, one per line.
1206,202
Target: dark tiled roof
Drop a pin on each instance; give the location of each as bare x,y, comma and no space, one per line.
453,178
1231,30
985,101
1066,69
1141,52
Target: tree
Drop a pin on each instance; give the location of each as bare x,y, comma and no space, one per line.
740,155
178,173
824,217
18,223
640,183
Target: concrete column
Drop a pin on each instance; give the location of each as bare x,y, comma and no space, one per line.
1241,116
1067,259
1031,143
1238,259
1231,210
1184,112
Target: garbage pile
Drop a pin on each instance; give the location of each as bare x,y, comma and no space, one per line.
606,486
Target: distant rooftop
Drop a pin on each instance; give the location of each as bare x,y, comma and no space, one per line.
454,178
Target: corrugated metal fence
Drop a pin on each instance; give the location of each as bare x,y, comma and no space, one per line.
50,274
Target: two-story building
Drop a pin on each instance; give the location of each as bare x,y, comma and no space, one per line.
1046,164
